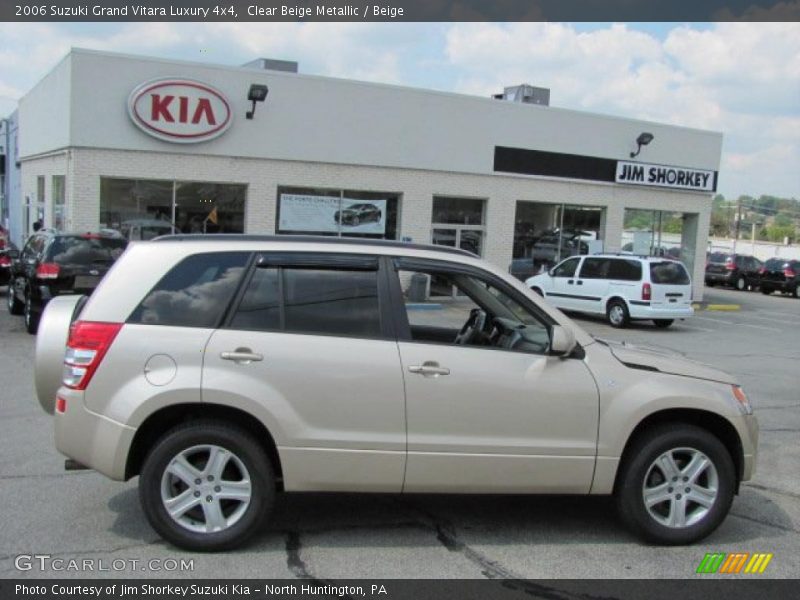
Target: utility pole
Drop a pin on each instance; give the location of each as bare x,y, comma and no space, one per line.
738,223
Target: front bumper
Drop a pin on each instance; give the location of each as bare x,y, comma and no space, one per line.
91,439
748,434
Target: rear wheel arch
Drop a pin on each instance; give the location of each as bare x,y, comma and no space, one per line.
167,418
715,424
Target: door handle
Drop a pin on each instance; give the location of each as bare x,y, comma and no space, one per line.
242,356
570,281
580,282
429,369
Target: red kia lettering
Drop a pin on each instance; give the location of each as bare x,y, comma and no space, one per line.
160,107
204,107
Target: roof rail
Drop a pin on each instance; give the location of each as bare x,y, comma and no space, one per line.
308,239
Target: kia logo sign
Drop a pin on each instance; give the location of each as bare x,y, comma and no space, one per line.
179,110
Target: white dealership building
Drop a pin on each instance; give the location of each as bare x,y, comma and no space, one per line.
107,140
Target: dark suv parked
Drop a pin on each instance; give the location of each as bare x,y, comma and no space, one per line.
736,270
52,264
781,274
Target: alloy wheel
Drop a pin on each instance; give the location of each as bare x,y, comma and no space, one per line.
617,314
206,488
680,487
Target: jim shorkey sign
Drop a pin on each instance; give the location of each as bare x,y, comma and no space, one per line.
665,176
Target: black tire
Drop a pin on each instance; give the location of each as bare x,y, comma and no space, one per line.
710,283
30,315
237,441
663,323
15,307
740,284
637,463
796,291
766,291
617,314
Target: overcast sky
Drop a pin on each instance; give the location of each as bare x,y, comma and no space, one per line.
738,78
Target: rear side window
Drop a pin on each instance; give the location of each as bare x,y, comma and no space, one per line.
625,270
195,292
668,273
595,268
85,250
307,300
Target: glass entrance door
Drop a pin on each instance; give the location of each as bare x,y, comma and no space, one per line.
465,238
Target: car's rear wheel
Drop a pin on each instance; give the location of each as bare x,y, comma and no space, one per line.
740,284
617,314
796,291
663,323
30,315
15,307
676,484
207,486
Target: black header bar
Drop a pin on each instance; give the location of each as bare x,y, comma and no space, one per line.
398,10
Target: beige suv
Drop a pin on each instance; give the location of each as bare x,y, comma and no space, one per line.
224,369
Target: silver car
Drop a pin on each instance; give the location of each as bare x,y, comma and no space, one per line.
225,369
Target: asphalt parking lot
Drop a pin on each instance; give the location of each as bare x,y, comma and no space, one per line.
82,515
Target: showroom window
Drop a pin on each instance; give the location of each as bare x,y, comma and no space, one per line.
549,233
661,233
144,208
337,212
59,215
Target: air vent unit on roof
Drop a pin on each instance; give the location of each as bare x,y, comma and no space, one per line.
271,64
526,94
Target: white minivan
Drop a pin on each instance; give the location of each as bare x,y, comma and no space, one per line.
622,287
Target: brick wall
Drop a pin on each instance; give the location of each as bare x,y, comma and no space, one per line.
417,189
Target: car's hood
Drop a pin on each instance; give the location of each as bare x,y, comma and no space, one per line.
664,361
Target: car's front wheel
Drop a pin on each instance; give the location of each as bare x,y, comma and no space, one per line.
15,307
30,315
676,484
617,314
207,486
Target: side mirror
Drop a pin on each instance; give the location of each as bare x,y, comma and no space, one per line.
552,272
562,341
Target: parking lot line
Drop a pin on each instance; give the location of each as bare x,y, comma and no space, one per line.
759,327
715,320
785,321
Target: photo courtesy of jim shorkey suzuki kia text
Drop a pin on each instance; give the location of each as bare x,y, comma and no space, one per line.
193,590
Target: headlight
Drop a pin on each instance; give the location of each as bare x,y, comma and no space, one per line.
741,400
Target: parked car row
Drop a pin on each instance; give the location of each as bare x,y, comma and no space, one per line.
743,272
53,264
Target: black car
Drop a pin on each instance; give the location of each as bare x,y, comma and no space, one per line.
356,214
52,264
739,271
7,255
781,274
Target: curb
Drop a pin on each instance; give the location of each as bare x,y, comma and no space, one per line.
717,307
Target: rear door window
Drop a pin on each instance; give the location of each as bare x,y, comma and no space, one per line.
625,270
668,273
194,293
595,268
327,300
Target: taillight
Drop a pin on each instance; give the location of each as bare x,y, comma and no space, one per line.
730,265
647,292
789,273
5,261
762,270
47,271
87,344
